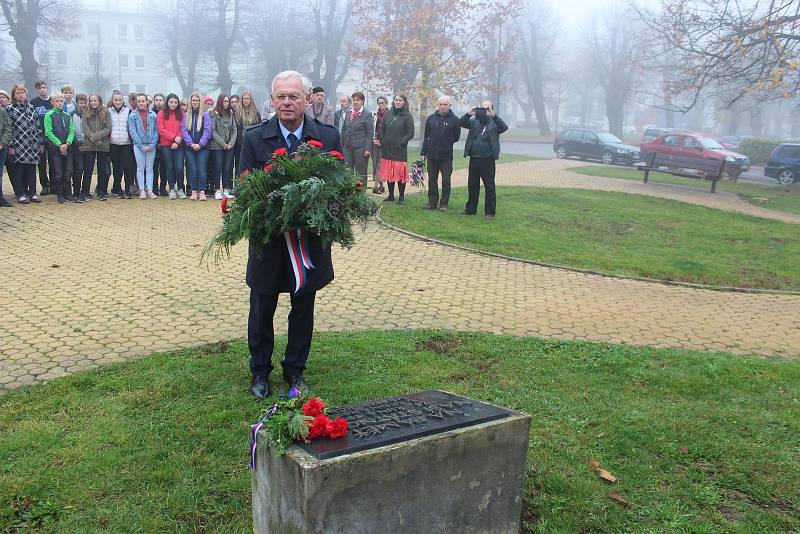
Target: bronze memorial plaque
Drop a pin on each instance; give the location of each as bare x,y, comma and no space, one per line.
385,421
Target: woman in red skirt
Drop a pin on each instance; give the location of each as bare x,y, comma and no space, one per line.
397,130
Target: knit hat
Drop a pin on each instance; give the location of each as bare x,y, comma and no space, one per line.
5,94
208,100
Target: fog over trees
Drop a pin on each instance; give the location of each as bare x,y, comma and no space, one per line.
724,65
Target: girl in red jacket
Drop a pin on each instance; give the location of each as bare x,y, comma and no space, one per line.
170,144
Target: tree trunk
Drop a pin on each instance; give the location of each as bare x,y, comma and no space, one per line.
756,122
615,111
25,42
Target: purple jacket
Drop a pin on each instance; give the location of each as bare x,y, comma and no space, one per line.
204,139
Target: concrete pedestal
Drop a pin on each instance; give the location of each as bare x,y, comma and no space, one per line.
463,481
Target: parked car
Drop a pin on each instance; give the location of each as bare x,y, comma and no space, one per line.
732,142
591,144
783,163
651,132
695,145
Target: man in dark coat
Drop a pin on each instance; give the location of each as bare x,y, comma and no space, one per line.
269,269
442,130
483,148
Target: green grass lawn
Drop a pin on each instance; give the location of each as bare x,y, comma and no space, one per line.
460,162
617,233
700,442
778,197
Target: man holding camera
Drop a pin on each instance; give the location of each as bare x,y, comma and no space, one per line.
483,148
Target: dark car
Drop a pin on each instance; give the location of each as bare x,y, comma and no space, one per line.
693,145
783,163
591,144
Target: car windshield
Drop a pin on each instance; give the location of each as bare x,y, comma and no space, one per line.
606,137
707,142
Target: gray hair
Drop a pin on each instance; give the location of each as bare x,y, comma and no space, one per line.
287,74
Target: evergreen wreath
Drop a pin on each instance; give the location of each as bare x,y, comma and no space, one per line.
310,190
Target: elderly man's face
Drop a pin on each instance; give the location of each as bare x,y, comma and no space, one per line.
344,102
289,100
444,105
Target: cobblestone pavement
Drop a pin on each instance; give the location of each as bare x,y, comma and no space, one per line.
86,285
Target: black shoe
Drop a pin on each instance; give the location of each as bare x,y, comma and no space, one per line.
128,196
102,196
82,199
489,217
467,213
163,193
401,201
428,207
70,198
60,199
4,203
443,208
388,199
297,386
119,195
259,387
45,191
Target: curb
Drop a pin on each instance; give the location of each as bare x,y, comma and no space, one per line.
689,285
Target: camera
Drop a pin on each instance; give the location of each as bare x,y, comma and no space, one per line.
480,114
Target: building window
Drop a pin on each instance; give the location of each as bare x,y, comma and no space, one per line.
139,61
93,28
125,88
123,61
138,31
140,88
61,58
44,57
122,30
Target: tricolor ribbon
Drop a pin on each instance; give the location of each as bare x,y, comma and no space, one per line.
297,245
254,435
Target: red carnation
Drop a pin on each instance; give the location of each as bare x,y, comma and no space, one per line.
319,427
267,167
244,173
314,143
313,407
224,205
336,154
338,428
359,186
279,152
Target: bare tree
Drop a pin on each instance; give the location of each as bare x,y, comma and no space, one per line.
331,26
97,76
537,35
732,49
227,23
614,54
25,19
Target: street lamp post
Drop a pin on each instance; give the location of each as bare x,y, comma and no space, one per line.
499,63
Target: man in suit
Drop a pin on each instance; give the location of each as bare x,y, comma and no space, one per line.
269,269
343,111
357,135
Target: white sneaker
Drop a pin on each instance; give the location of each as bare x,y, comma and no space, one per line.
142,194
173,194
218,195
181,193
225,193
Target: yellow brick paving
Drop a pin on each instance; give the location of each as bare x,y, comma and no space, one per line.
86,285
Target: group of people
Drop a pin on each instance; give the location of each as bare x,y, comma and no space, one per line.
159,146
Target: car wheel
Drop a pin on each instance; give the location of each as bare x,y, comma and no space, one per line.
786,177
561,152
607,157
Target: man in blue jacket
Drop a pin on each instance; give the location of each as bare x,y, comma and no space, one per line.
269,269
442,130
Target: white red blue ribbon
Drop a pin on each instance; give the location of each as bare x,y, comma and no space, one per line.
254,435
297,245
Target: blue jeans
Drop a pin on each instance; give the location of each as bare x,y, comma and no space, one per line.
196,161
223,168
144,167
173,164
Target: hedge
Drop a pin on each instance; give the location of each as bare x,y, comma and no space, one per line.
757,150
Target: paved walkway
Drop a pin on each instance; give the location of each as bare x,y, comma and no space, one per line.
85,285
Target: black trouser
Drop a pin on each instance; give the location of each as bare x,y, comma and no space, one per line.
23,175
89,159
237,153
159,173
261,335
481,169
355,159
77,170
435,166
121,156
376,159
61,178
44,160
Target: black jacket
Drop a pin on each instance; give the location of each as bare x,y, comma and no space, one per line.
269,269
441,132
397,130
495,127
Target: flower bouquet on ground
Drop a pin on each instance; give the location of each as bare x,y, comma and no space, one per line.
308,191
417,174
298,418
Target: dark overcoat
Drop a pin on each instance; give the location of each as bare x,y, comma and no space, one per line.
269,269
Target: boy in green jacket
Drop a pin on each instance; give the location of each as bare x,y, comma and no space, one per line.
59,133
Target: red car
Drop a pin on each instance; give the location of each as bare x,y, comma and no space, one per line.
696,145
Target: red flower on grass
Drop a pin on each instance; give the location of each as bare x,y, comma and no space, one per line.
336,154
224,205
280,152
313,407
314,143
338,428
